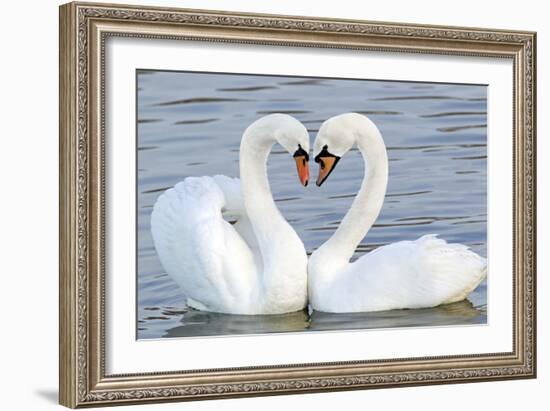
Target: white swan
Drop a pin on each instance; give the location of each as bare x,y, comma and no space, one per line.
257,265
407,274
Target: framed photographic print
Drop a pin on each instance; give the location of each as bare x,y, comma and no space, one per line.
259,204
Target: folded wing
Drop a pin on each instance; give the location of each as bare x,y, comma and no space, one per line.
201,251
409,274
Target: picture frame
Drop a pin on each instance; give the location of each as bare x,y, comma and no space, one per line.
85,28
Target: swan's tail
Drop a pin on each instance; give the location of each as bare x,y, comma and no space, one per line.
458,267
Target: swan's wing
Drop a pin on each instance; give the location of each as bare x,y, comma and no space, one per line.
233,199
413,274
235,212
201,251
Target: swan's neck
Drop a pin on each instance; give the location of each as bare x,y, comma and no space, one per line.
270,227
367,204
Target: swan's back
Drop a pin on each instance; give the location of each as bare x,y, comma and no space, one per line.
407,274
199,250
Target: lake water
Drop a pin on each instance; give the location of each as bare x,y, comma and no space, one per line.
437,146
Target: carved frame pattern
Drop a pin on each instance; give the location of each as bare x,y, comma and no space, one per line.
83,30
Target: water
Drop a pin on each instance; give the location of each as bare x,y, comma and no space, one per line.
190,124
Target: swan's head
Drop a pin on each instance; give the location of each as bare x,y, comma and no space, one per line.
336,136
293,136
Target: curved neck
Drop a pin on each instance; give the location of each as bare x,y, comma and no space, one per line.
369,200
262,212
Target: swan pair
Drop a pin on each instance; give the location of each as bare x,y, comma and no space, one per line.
259,264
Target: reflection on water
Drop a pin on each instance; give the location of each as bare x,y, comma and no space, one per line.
200,323
437,148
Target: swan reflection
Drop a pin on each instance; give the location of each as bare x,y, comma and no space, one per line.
195,323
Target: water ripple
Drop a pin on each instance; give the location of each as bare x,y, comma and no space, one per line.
459,128
156,190
198,121
404,98
455,113
251,88
379,112
412,193
470,158
198,100
304,82
282,111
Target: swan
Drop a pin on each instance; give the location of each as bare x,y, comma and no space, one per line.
423,273
257,265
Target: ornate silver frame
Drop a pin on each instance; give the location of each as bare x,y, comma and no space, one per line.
84,27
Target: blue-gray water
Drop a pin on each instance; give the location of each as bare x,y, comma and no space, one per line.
190,124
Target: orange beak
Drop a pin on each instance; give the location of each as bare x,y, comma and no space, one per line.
303,169
326,165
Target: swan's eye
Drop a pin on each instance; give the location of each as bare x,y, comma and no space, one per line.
323,154
301,153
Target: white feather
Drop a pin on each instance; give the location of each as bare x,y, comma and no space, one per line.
407,274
